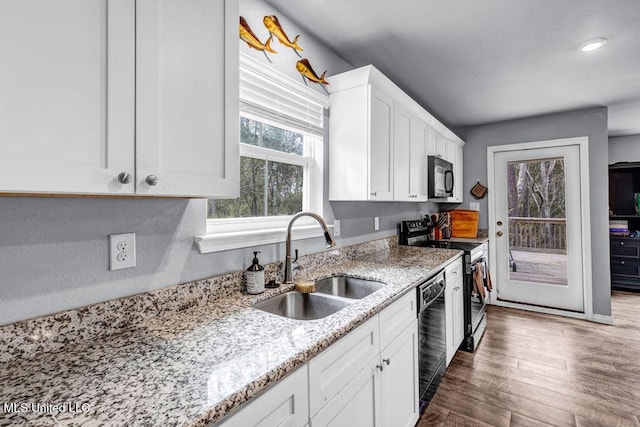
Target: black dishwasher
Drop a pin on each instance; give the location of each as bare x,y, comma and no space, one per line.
432,350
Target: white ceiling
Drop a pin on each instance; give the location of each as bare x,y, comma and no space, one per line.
472,62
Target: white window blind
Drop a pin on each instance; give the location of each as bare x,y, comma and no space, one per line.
270,94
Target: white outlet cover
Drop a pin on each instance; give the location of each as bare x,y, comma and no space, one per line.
336,227
474,206
376,223
122,251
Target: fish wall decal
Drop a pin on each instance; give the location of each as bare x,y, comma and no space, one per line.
253,41
304,68
274,27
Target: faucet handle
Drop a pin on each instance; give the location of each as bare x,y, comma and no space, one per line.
296,258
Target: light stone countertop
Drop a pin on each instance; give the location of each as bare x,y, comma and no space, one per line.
193,367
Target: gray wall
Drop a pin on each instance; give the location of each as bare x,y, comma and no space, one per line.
624,149
54,251
589,122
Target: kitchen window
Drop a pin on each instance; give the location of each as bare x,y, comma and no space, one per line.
281,163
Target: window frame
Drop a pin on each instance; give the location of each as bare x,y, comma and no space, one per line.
235,233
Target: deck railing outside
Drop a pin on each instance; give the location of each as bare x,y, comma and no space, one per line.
538,233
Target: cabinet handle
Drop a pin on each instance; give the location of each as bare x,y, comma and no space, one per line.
124,178
387,361
380,367
151,180
374,193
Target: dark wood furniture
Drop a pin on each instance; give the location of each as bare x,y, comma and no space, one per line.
624,181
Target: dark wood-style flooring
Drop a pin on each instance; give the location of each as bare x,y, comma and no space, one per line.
539,370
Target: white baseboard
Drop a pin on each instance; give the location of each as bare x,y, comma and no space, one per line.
602,318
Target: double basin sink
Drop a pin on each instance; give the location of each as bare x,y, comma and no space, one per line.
332,294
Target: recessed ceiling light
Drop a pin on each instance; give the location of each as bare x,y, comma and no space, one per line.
594,44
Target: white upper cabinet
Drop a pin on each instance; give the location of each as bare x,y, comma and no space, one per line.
401,154
410,157
101,94
187,98
380,164
419,174
380,139
67,96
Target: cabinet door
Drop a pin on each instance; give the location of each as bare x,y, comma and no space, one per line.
454,307
380,154
457,174
357,405
399,379
441,146
67,103
331,370
285,404
187,98
402,155
448,313
418,161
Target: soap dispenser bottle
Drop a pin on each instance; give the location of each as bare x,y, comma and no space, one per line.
255,276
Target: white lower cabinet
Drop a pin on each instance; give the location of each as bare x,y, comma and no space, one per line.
357,404
399,379
367,378
285,404
380,392
454,307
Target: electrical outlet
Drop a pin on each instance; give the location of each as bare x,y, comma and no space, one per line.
474,206
122,251
336,227
376,223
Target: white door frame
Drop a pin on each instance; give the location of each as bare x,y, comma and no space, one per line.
583,144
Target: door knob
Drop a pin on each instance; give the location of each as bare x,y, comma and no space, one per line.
499,233
152,180
124,178
499,223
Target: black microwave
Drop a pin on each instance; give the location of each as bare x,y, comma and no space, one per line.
440,177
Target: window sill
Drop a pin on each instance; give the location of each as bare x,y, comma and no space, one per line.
224,241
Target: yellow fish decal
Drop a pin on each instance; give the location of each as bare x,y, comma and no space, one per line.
252,40
274,27
304,67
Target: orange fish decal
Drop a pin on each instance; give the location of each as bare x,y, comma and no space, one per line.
304,67
274,27
252,40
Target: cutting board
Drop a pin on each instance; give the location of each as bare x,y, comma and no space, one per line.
464,223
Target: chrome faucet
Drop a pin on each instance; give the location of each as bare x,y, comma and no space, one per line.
288,270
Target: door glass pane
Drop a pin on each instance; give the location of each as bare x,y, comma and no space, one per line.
537,221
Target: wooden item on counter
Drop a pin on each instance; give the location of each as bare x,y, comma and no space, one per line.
464,223
305,287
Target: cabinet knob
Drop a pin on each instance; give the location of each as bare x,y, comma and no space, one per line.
621,243
380,367
622,262
151,180
387,361
374,193
124,178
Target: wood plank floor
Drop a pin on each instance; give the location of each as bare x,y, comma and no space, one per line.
541,370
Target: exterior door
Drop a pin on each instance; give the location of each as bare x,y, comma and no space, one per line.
537,226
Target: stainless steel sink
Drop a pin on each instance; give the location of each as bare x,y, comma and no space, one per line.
347,287
299,306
